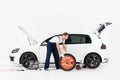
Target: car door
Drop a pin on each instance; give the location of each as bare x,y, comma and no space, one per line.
78,45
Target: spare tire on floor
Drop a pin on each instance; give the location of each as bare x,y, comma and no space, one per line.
68,62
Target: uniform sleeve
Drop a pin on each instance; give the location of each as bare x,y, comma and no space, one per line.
55,40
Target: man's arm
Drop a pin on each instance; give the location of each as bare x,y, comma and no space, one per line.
58,48
64,47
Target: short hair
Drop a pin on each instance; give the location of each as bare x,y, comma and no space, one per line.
65,33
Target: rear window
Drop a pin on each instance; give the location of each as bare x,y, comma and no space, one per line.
78,39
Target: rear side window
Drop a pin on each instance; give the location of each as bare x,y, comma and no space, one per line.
78,39
87,39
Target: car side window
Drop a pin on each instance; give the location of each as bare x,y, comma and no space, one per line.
88,39
78,39
75,39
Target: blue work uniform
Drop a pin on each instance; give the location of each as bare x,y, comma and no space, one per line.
51,48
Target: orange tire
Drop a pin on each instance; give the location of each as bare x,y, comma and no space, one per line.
68,62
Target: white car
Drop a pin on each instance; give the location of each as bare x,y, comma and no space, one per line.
81,48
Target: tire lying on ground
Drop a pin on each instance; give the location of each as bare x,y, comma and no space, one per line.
68,62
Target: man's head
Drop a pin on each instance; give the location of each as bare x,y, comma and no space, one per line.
65,35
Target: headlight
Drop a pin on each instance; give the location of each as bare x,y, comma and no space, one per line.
15,50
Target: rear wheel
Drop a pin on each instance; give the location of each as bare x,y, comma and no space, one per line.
92,60
26,58
68,62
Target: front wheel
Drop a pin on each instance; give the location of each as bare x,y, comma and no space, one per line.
26,58
92,60
68,62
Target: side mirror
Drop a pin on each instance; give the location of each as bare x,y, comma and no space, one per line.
44,44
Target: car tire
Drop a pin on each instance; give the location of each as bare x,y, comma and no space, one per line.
92,60
26,58
67,63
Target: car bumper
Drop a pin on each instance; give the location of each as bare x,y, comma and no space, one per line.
14,58
105,60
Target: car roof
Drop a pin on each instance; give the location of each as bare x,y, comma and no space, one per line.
73,34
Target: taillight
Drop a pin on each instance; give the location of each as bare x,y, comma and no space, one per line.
103,46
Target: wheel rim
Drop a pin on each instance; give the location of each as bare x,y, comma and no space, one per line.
93,61
26,60
67,62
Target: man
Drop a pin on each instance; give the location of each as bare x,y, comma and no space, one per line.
53,46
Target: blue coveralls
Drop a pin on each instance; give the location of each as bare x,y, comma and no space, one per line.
51,48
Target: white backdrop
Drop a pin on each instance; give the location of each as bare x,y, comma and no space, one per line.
44,17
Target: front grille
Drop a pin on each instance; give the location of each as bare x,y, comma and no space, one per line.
11,58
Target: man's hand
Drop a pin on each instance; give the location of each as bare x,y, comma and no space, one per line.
61,55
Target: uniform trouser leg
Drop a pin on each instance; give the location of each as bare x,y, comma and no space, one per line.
47,61
56,57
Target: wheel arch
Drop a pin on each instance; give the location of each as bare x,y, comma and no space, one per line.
26,53
92,53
